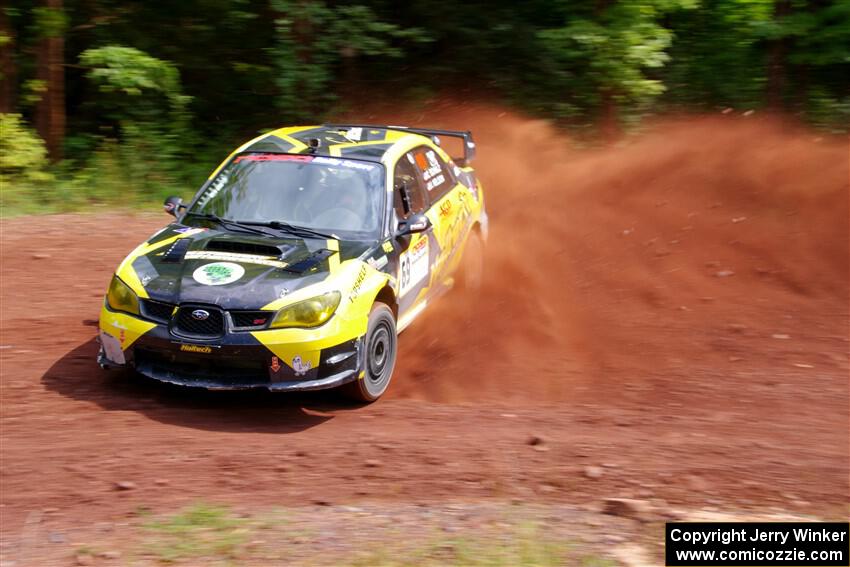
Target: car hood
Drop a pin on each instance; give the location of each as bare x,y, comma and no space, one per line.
234,270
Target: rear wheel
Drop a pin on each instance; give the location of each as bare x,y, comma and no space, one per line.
377,357
471,270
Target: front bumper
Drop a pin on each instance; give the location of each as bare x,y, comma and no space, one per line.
276,360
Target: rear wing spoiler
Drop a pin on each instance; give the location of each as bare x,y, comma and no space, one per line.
466,136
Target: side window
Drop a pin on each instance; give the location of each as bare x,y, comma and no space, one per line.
434,171
408,196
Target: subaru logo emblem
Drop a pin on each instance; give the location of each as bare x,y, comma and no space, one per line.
200,314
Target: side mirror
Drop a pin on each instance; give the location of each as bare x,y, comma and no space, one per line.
173,205
416,223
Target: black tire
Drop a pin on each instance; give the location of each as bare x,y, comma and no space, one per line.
377,357
471,270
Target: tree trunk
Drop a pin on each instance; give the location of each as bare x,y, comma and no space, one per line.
776,62
609,126
8,69
50,111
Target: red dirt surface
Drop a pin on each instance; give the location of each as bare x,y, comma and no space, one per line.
673,310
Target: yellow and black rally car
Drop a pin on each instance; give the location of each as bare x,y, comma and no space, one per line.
298,261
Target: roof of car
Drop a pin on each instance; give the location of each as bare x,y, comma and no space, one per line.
366,143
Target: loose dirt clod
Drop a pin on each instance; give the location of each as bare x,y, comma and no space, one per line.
628,508
534,440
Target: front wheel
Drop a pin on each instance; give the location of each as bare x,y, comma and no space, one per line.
377,356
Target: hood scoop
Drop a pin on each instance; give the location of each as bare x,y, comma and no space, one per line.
240,247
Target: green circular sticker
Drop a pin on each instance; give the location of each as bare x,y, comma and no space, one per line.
218,273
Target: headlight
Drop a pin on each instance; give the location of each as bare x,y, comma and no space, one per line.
308,313
121,298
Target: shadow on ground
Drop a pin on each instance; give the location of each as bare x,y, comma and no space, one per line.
76,375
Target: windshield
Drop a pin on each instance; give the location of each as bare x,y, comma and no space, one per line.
334,195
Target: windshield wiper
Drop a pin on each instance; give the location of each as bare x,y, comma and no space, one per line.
292,228
227,222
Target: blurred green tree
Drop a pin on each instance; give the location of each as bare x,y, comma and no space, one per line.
317,47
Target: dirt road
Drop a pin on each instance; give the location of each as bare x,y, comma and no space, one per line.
669,317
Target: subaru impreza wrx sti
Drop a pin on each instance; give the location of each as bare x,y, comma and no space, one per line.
298,261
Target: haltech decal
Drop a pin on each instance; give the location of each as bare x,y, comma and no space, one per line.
196,348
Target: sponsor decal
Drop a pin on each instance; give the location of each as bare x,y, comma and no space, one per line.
358,283
275,370
388,247
363,166
202,349
432,171
145,269
274,157
299,366
188,231
354,134
235,257
112,348
413,266
218,273
421,161
445,208
378,263
120,326
213,190
456,228
435,182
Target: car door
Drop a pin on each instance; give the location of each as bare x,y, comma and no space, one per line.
416,251
448,211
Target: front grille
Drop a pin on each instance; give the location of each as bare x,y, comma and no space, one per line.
186,324
251,319
157,311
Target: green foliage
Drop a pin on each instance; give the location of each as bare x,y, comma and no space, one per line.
829,112
25,179
119,70
214,535
599,58
714,57
522,545
23,155
49,22
142,98
32,92
312,41
197,532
